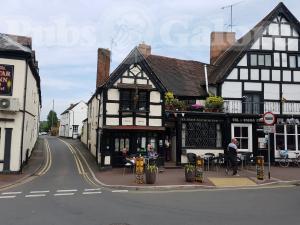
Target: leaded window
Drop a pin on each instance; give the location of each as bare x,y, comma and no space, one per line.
126,100
134,100
260,59
142,100
201,134
292,61
251,103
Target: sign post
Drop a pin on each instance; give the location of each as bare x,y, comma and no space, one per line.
269,120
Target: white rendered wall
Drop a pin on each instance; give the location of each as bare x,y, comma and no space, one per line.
232,90
31,121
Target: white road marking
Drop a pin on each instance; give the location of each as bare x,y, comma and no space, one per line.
120,191
92,189
11,193
38,192
71,190
8,196
33,196
91,193
63,194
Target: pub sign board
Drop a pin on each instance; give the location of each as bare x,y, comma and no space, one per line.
6,79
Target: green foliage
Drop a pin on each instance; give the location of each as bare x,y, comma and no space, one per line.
44,126
173,103
169,98
151,168
52,119
214,102
189,167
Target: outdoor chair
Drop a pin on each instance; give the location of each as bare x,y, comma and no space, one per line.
191,157
129,166
209,160
249,159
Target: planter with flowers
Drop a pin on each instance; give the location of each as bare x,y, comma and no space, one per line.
197,107
190,172
151,172
172,103
214,104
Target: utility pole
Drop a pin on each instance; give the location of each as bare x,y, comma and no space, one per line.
231,13
52,114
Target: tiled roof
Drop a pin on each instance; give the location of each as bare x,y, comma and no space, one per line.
8,44
222,65
69,108
182,77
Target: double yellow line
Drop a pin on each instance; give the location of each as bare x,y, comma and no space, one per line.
77,155
40,172
48,163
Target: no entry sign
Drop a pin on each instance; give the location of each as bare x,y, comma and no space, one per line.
269,118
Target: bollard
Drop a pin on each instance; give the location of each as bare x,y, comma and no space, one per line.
139,170
199,169
260,167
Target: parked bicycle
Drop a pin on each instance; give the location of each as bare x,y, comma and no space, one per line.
285,161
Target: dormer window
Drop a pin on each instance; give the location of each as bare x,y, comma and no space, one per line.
260,59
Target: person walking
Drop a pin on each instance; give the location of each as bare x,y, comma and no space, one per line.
232,155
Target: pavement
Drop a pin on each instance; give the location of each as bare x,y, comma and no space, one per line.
174,178
167,178
36,160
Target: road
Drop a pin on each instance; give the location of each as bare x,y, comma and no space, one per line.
63,195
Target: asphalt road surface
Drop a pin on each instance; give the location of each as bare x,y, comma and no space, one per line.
64,196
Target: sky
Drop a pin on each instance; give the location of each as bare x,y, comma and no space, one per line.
66,35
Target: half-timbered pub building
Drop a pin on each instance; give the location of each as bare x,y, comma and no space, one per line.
257,73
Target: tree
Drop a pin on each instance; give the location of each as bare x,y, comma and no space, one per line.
44,126
52,119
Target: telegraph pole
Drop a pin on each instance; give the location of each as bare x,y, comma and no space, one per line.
52,113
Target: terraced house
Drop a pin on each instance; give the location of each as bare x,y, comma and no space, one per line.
20,101
257,73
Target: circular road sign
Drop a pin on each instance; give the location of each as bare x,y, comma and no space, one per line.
269,118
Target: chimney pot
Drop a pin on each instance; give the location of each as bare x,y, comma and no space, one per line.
219,43
103,66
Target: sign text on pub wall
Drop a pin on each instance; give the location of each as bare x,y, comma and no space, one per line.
6,79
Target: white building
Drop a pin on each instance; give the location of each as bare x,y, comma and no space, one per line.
71,120
20,101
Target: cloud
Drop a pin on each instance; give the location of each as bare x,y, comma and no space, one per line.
66,34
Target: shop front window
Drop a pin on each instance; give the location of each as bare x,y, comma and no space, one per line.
243,134
121,143
287,137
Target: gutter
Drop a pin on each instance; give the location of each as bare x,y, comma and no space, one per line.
24,109
97,140
206,79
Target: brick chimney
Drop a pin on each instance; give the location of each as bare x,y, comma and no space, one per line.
219,43
103,66
144,49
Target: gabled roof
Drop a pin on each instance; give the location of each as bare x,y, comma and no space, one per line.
233,54
182,77
69,108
